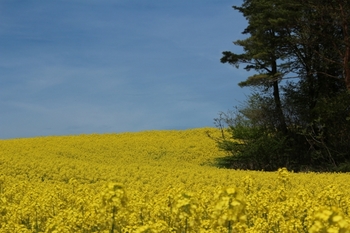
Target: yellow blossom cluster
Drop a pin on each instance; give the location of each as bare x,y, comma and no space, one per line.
157,181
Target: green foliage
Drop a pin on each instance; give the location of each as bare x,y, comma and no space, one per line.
328,133
259,152
252,144
302,124
320,144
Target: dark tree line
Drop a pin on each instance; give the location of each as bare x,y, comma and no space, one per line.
299,113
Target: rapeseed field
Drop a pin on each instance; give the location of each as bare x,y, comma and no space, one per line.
157,181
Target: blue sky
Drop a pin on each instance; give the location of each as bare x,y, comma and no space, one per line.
83,66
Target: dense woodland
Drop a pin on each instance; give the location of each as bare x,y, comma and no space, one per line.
298,115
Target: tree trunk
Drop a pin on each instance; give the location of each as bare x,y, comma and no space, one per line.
347,68
344,11
282,126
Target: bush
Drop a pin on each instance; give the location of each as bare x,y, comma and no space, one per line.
249,145
251,137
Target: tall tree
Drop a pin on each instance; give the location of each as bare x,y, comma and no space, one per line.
322,31
263,50
307,43
334,21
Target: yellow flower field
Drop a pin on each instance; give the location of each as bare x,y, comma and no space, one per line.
157,181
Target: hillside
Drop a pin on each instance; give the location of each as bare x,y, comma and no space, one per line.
156,181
